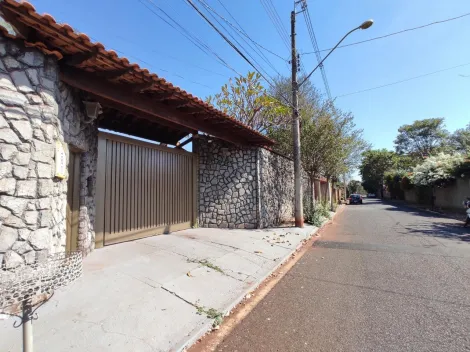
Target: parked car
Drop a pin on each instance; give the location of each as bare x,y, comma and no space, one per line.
371,195
355,199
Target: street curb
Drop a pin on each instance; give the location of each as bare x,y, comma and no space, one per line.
208,327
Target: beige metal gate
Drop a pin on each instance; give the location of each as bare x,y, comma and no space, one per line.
143,189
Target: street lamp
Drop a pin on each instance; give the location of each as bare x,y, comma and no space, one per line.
298,211
364,25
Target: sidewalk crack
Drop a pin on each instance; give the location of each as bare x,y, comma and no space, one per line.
178,296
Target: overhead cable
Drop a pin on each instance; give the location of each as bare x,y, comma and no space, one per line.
183,31
394,33
403,80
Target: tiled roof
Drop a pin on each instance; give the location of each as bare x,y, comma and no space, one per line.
62,41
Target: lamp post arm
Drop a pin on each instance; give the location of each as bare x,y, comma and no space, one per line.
321,62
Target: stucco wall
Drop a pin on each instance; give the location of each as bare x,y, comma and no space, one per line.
451,197
277,188
36,110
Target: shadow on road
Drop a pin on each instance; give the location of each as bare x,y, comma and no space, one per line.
434,225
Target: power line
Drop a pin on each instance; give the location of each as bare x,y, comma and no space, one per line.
308,21
190,2
146,62
160,69
211,13
404,80
169,56
244,33
183,31
228,41
276,21
394,33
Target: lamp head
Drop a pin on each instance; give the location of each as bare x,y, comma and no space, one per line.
366,24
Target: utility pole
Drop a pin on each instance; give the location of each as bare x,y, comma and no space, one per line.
298,206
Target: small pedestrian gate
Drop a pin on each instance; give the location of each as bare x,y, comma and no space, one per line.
143,189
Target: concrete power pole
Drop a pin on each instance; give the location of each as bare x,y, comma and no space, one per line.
298,206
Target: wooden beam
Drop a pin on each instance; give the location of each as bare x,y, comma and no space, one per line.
162,95
137,88
181,145
142,115
15,21
113,74
77,59
122,95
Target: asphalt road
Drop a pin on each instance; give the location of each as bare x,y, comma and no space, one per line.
382,278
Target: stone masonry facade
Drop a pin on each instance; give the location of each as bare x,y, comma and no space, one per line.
242,187
277,189
36,110
227,185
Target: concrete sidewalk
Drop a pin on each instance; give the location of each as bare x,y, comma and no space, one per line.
143,295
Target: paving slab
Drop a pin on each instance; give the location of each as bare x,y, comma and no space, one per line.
143,295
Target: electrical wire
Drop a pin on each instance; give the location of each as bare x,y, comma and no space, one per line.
403,80
394,33
281,25
169,56
190,2
308,21
160,69
255,49
211,13
183,31
276,22
244,33
228,41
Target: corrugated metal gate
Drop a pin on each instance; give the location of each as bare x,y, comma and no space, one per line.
143,189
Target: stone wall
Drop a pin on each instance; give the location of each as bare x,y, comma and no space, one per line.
277,188
243,187
36,110
227,184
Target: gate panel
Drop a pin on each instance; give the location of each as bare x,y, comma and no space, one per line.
142,189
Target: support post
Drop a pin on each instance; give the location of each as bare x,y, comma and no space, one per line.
298,208
27,327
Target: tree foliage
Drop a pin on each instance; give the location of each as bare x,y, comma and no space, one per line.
355,187
375,163
331,144
460,140
247,100
392,180
437,170
422,138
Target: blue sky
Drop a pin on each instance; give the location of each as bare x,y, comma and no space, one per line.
128,26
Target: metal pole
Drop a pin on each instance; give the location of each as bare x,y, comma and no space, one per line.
27,327
298,208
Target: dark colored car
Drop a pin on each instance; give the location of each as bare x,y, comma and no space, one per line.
355,199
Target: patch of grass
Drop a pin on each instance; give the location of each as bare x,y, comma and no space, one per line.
206,263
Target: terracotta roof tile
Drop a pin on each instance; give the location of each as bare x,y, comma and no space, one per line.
81,43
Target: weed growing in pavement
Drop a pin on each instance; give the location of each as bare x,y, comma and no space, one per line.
211,313
206,263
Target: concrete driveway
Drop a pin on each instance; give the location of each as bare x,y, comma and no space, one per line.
142,295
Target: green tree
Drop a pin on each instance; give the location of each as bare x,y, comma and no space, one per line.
460,140
422,138
375,163
247,100
355,187
317,130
